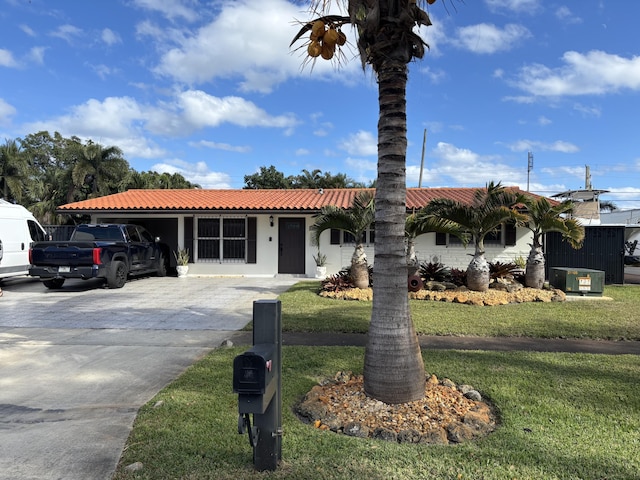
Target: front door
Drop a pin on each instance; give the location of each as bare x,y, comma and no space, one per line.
291,238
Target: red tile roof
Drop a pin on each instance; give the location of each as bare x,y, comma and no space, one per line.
249,200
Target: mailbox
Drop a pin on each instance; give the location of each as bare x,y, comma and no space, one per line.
257,381
253,370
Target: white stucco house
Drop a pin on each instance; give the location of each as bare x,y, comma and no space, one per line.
268,232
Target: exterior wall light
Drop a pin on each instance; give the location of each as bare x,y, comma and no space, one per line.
271,220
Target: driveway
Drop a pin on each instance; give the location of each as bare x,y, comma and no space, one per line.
76,364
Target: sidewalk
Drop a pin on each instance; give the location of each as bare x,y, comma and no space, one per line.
427,342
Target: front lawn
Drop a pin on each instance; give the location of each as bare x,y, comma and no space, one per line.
563,416
304,311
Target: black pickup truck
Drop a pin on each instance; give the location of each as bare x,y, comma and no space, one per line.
112,252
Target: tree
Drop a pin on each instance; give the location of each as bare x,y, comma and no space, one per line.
422,222
393,366
355,220
542,217
13,171
490,208
267,177
100,168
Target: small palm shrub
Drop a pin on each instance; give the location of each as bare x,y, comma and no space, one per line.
458,277
434,271
342,281
502,270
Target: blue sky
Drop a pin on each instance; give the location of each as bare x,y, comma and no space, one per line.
210,89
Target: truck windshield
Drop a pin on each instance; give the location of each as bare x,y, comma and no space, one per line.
97,233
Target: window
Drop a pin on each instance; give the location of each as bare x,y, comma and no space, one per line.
226,239
339,237
506,231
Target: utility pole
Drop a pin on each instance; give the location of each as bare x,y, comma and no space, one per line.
424,142
529,167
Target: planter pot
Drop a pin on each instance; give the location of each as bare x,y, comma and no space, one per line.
182,270
321,272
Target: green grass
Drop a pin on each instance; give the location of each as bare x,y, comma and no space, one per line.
563,416
304,311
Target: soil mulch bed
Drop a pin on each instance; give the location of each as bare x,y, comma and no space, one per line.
447,414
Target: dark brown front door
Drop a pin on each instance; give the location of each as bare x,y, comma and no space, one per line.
291,238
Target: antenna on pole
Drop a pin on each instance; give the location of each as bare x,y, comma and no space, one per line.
529,167
424,142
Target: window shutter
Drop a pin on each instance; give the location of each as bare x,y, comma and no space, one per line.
510,234
252,240
441,238
335,236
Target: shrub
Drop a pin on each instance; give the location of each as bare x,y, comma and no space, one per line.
502,270
458,277
434,271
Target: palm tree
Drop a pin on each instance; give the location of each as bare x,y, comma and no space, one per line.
422,222
355,220
393,366
99,167
490,208
542,217
13,168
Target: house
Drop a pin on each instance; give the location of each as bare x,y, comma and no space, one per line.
267,232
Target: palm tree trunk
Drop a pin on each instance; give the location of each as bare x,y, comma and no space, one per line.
393,366
359,268
478,276
534,273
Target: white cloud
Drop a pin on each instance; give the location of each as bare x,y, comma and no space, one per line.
486,38
6,112
593,73
6,59
200,109
110,37
564,13
28,30
196,173
171,9
248,40
221,146
461,166
302,152
534,145
67,32
362,143
518,6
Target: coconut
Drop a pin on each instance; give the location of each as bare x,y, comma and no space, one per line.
330,37
317,30
327,51
342,38
314,49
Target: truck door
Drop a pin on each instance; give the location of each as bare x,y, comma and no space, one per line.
136,248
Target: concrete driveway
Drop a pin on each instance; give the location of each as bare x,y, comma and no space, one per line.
77,363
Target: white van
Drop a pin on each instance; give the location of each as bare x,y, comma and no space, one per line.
18,228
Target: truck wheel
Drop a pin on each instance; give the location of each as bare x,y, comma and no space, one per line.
161,267
54,283
117,276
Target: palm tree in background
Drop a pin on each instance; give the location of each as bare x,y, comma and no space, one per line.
13,171
490,208
393,366
543,217
99,167
355,220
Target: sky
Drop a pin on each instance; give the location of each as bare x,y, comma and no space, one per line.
211,90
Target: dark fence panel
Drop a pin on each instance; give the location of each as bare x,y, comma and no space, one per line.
603,249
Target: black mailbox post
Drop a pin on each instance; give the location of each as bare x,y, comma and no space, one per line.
258,383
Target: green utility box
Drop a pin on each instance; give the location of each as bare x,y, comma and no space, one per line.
577,281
